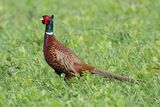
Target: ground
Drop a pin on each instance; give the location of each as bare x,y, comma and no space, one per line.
122,36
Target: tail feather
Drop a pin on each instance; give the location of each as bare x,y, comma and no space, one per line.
111,75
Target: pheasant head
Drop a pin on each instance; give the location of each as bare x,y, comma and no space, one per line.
48,21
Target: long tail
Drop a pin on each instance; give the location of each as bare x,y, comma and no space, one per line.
111,75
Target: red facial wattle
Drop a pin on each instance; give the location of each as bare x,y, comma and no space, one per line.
46,19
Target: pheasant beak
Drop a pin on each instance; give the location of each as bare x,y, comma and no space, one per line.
41,19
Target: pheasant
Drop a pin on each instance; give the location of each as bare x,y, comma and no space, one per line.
63,60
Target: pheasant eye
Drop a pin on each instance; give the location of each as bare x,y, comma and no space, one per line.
46,19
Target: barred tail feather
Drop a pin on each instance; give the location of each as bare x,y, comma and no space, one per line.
108,74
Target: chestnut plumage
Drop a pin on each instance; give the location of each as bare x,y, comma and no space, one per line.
63,60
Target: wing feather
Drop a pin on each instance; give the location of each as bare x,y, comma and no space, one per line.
67,59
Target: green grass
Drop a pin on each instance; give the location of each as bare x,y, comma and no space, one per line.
118,35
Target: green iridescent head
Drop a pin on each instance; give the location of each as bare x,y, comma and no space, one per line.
48,21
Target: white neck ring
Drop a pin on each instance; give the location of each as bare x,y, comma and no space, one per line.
49,33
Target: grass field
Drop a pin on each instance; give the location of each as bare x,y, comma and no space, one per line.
122,36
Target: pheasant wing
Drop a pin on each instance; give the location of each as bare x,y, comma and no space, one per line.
67,59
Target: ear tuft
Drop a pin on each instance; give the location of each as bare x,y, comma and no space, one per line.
52,16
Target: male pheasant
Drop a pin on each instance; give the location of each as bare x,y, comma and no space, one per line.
62,60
